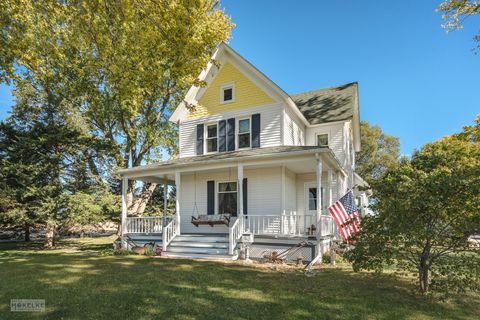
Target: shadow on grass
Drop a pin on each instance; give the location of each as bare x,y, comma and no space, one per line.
82,284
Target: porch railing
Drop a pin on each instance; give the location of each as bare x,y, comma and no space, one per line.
235,232
147,224
169,232
288,225
326,225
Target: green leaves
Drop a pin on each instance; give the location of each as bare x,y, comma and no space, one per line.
426,208
380,152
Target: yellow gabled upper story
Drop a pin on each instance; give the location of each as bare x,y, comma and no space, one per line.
244,94
240,108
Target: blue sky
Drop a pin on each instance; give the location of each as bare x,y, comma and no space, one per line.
416,82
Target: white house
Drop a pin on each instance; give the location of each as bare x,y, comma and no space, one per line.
253,154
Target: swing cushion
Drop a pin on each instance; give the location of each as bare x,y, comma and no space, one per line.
211,219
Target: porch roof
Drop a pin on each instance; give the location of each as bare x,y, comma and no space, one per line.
229,156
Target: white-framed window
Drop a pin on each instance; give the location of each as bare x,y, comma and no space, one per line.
322,140
312,198
212,138
227,93
244,133
227,197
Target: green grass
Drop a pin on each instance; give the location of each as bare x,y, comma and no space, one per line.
78,283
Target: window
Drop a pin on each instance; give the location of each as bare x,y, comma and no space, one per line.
227,198
212,138
244,133
227,93
312,198
322,140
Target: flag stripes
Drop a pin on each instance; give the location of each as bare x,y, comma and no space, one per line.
345,213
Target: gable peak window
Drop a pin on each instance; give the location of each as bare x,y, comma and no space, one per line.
244,133
227,93
322,140
212,138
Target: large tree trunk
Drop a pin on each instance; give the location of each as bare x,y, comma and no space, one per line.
139,206
423,278
26,229
49,234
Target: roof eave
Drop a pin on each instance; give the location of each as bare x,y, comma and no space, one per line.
146,168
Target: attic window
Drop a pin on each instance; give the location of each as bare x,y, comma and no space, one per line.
322,140
227,93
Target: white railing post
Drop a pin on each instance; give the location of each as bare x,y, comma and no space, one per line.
234,233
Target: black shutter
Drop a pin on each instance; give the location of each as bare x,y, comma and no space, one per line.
222,136
256,130
231,134
199,146
245,197
211,197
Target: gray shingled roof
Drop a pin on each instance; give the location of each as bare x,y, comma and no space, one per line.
227,155
327,105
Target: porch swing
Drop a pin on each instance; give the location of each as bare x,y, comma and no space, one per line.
206,219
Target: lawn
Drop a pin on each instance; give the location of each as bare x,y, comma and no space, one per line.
77,282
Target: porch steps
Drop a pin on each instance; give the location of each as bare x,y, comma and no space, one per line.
217,257
199,246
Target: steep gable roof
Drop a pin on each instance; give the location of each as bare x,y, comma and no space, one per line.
327,105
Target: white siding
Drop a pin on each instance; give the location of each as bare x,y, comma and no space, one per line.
294,130
302,179
336,137
264,195
270,127
290,192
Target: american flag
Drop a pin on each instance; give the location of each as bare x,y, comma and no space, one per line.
345,214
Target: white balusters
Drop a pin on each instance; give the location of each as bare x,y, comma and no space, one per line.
146,224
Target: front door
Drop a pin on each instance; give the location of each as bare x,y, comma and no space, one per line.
311,198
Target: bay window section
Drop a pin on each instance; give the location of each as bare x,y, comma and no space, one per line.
227,198
244,133
212,138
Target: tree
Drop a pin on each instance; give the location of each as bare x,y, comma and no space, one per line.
454,12
124,64
425,211
379,153
41,143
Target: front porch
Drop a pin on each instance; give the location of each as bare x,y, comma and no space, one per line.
273,198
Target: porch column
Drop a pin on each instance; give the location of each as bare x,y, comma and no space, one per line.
165,193
240,192
319,207
178,199
330,188
330,227
319,191
124,212
339,185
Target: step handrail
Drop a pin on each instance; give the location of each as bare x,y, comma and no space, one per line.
169,232
235,232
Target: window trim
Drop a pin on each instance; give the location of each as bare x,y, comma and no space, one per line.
230,85
237,133
206,138
217,191
322,134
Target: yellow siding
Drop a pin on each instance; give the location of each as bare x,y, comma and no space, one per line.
247,94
